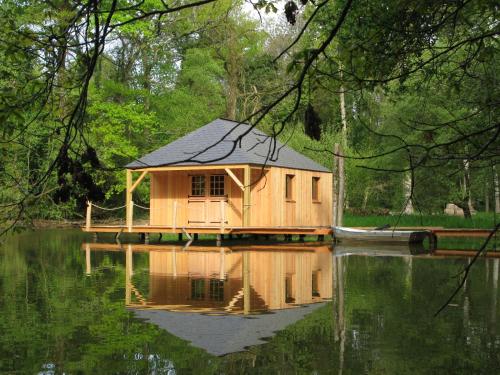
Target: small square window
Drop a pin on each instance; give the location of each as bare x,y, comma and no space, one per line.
217,185
198,186
289,188
315,189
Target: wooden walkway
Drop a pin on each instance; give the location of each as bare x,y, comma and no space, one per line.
436,232
208,230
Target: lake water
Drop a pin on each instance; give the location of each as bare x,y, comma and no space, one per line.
72,306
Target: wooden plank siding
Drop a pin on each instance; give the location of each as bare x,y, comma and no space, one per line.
170,186
271,208
268,207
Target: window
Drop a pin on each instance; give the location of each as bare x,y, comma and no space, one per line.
289,298
315,189
289,186
198,186
315,284
217,185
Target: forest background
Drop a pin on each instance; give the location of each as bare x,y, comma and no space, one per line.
409,88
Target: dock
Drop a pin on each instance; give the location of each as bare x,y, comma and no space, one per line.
435,233
208,230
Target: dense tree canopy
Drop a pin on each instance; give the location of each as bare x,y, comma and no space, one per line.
88,86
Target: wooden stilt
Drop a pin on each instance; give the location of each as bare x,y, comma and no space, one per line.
302,237
218,239
179,236
321,237
195,236
160,237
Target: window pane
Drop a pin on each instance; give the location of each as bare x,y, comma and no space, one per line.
198,186
289,186
315,188
217,185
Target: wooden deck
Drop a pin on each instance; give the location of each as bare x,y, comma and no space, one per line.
436,232
312,231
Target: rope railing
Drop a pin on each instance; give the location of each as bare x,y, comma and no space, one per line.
130,214
107,209
88,219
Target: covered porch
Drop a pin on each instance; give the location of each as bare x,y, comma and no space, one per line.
204,199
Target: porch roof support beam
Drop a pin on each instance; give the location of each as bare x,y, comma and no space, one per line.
235,179
138,181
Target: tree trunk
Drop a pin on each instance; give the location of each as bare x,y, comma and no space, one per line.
343,117
233,65
341,192
467,188
465,202
408,195
335,184
365,197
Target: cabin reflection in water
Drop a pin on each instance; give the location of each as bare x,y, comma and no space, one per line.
239,279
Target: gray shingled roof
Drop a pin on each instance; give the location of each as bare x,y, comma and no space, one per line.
213,144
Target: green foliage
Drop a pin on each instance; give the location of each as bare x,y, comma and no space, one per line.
416,76
479,221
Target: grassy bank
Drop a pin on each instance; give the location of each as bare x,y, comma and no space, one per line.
480,220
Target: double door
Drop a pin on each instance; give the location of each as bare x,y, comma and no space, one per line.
207,201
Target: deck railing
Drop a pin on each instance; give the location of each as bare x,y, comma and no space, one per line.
88,215
129,220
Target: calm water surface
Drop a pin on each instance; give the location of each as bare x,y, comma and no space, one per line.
71,307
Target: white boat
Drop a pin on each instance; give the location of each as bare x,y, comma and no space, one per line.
342,234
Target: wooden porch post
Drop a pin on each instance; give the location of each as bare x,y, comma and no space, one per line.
128,201
88,219
246,196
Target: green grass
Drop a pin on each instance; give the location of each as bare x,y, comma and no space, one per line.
481,220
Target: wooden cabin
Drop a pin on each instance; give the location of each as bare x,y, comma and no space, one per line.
228,174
